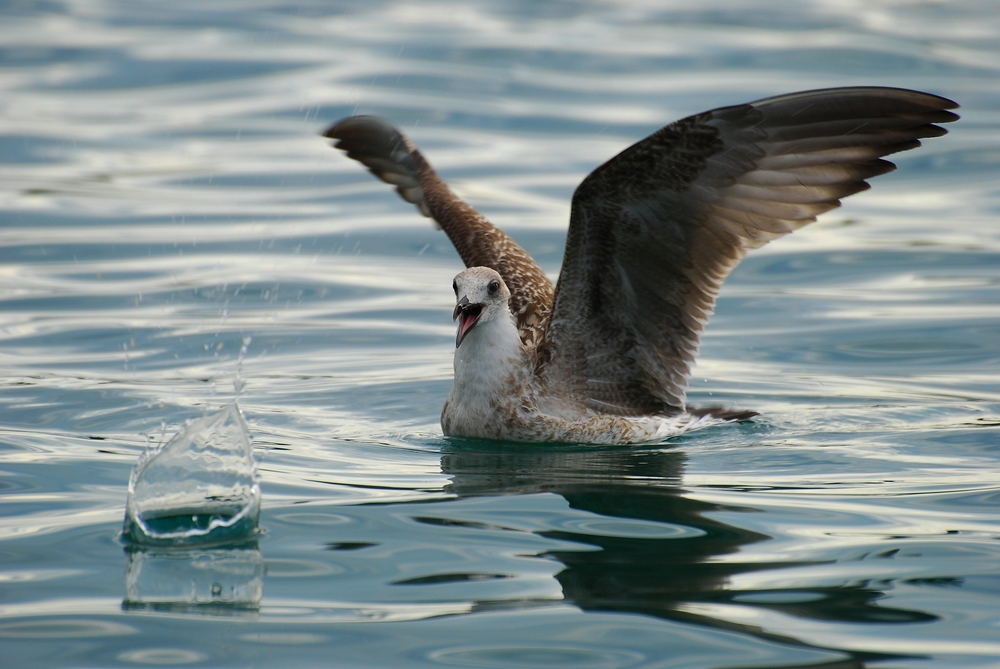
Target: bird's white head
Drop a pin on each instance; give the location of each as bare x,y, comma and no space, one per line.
482,297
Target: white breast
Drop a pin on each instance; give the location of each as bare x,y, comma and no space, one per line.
492,373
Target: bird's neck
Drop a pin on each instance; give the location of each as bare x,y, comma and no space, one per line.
490,360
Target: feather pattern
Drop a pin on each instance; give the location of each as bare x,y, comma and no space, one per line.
653,234
656,230
390,156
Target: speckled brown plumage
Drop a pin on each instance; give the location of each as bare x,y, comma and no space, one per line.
394,159
653,234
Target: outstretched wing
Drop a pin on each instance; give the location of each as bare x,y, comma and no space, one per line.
394,159
656,230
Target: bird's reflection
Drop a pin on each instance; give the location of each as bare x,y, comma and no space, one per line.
653,575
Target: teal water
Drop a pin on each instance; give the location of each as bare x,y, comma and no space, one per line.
164,194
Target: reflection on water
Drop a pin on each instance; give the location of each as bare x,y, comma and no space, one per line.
637,569
219,581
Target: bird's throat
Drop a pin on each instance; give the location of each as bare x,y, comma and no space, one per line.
467,319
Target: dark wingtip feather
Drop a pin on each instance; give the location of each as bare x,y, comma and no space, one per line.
722,413
940,116
385,151
856,102
352,125
945,103
335,131
876,168
901,146
932,130
366,135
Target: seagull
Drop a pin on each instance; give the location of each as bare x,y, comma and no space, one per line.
604,357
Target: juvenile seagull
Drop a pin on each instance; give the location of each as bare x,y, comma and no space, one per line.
605,357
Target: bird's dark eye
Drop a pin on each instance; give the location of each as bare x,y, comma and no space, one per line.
454,286
493,287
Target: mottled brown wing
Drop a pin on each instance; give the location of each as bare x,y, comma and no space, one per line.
656,230
394,159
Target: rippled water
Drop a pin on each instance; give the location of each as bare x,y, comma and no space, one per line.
164,194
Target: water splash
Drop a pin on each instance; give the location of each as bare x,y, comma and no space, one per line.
200,488
238,383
